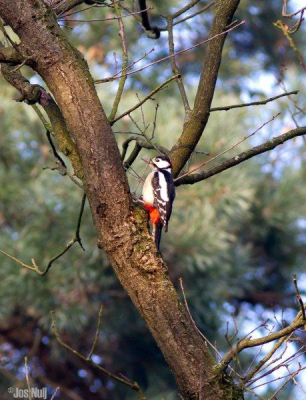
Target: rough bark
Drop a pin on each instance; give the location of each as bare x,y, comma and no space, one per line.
193,131
121,227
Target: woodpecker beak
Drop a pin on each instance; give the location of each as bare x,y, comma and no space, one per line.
146,161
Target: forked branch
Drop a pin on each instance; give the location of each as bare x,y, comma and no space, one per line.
297,323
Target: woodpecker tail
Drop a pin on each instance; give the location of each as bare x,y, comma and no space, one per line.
156,233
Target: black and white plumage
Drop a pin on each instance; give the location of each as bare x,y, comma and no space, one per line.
158,195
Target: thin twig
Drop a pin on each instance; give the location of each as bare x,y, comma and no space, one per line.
173,55
279,24
149,96
228,149
259,366
132,384
175,68
40,115
55,393
241,157
104,19
298,297
195,13
190,16
283,385
125,60
55,153
97,333
27,377
193,322
254,103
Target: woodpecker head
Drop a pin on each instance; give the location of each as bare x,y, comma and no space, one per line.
161,163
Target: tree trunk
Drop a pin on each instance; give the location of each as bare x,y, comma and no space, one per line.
121,227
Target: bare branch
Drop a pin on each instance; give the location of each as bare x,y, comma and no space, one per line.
125,60
254,103
102,19
97,333
228,149
246,155
279,24
112,78
184,9
265,359
290,15
298,297
194,14
298,322
27,376
64,6
149,96
175,68
132,384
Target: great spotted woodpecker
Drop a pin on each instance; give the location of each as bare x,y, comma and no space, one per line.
158,195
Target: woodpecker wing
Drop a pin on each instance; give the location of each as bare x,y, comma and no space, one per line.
164,194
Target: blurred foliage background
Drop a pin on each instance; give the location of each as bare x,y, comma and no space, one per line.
235,239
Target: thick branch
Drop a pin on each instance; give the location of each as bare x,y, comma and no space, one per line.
246,155
192,133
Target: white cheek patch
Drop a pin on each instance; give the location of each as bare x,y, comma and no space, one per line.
162,164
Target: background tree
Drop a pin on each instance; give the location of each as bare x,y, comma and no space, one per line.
224,258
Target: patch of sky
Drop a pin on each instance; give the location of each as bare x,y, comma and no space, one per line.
45,340
254,10
82,373
97,359
15,236
36,80
81,29
110,385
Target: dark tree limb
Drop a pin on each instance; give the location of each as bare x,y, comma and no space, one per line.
194,128
153,32
238,159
